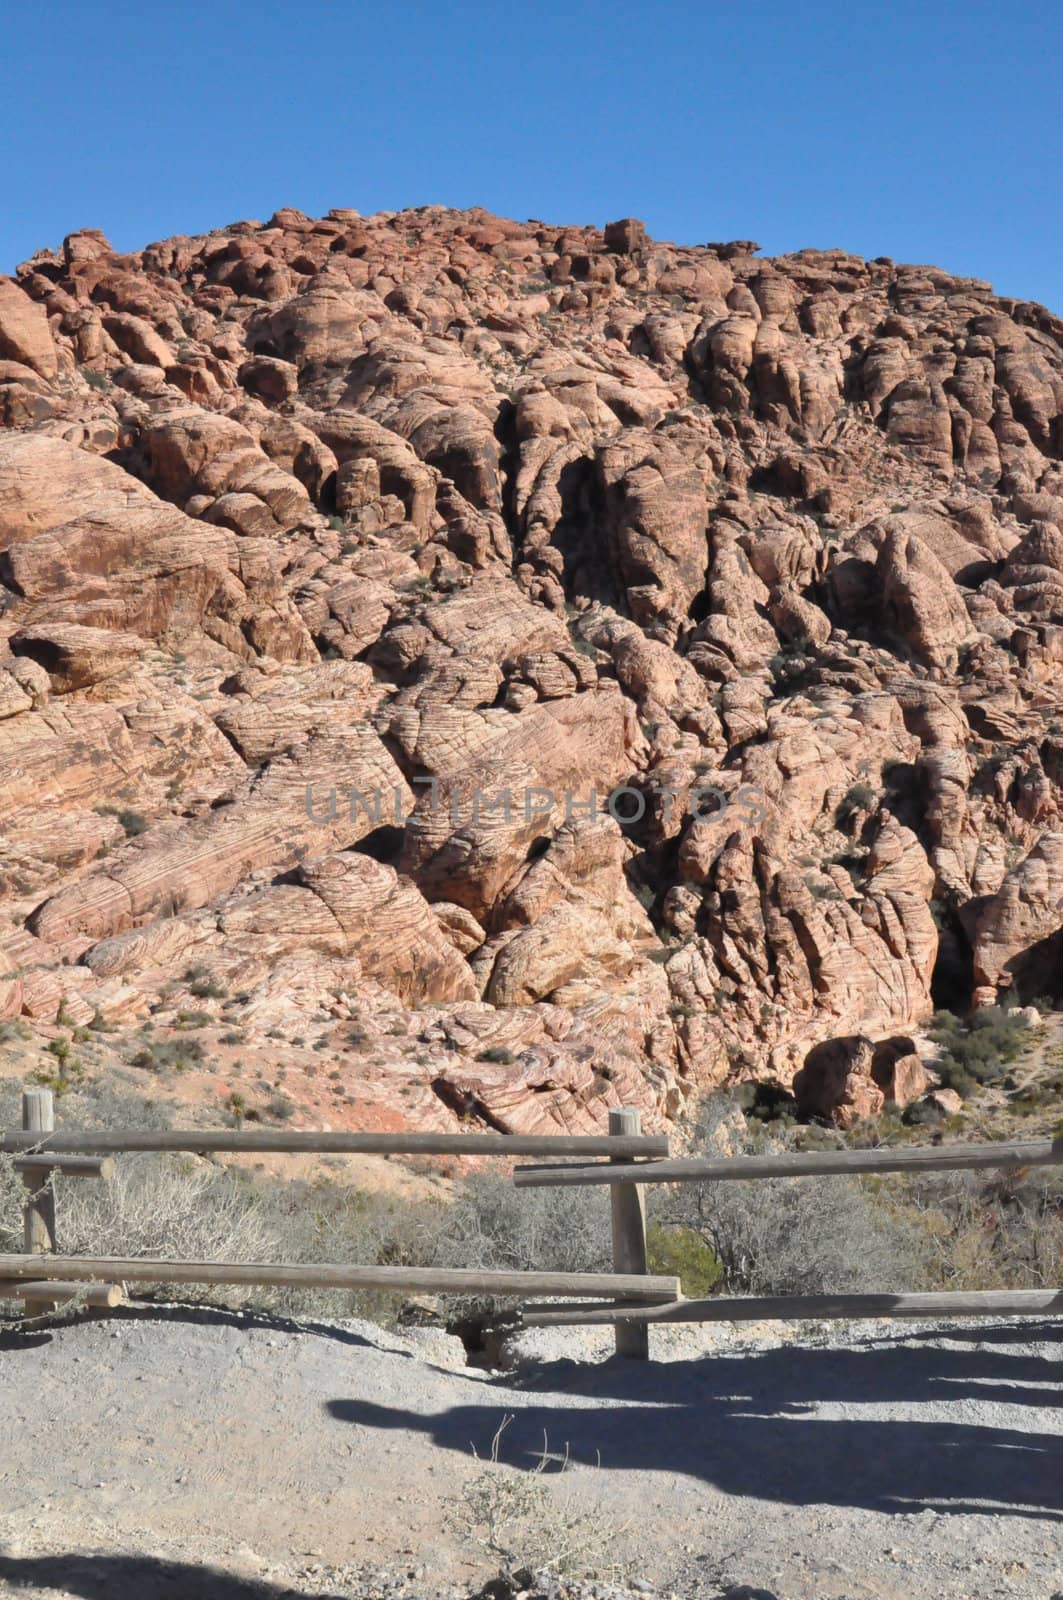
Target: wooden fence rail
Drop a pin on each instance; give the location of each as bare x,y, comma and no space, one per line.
40,1165
287,1275
268,1141
630,1297
802,1164
813,1307
49,1292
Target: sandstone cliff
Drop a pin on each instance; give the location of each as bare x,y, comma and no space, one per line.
341,560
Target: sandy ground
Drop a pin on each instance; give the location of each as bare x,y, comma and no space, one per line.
185,1452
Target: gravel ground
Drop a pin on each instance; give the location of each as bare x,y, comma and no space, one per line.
180,1452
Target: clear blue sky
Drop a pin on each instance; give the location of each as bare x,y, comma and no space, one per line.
928,130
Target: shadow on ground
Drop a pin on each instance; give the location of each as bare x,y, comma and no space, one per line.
748,1423
17,1335
121,1577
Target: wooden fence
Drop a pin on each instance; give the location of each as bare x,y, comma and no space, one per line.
630,1297
43,1278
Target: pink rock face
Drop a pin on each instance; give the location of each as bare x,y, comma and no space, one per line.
1026,910
588,669
24,333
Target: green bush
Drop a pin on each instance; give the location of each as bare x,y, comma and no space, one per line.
683,1253
790,663
173,1055
861,797
791,1235
207,989
979,1049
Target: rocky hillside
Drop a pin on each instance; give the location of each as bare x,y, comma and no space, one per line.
340,562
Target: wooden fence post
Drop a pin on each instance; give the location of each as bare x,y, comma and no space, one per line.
629,1235
38,1216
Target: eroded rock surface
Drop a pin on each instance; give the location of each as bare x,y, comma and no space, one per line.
555,668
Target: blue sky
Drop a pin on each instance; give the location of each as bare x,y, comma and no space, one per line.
929,132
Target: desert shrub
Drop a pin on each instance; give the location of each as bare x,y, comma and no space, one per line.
793,1235
163,1206
960,1230
497,1053
855,864
530,1525
766,1101
682,1252
180,1206
861,797
490,1224
169,1055
203,985
91,1104
645,894
68,1072
193,1019
12,1197
493,1225
802,1236
921,1114
169,1207
584,647
985,1231
790,663
823,889
978,1050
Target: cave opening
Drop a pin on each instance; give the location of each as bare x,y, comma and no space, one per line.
952,981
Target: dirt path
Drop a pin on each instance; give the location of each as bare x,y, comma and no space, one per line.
867,1464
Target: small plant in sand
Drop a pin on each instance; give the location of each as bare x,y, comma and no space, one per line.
530,1522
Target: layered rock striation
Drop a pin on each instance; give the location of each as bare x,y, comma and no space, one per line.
617,668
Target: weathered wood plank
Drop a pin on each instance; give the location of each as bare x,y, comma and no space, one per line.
104,1295
628,1213
38,1213
420,1280
802,1164
812,1307
203,1141
39,1166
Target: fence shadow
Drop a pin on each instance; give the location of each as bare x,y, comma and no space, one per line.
749,1424
131,1577
16,1335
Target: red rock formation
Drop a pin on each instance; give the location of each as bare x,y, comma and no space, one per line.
343,559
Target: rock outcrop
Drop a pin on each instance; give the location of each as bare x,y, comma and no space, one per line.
554,668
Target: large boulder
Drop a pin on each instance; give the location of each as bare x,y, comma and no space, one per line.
836,1082
25,336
